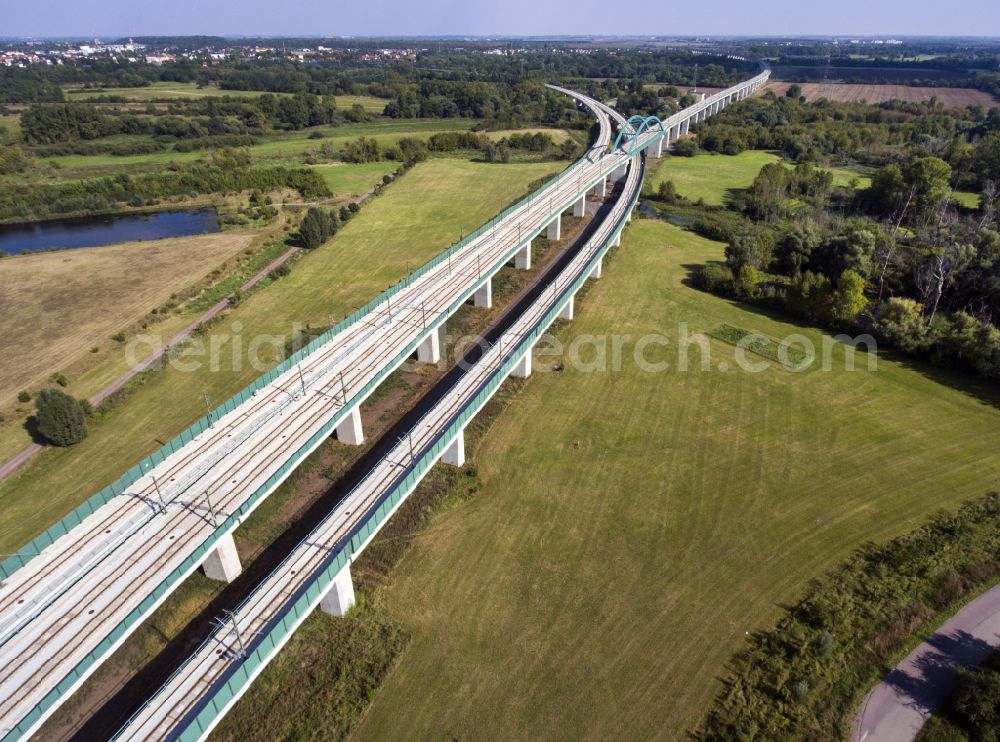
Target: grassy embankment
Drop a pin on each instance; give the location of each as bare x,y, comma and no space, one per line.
632,527
423,213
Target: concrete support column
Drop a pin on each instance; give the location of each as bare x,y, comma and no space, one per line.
685,126
601,189
580,207
522,258
567,311
523,368
655,149
619,172
617,240
484,295
349,429
552,231
223,563
429,350
454,455
596,273
339,598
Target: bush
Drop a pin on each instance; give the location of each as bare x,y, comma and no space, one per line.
714,278
59,417
686,147
24,396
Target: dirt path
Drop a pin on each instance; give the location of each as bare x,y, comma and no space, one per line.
10,466
898,706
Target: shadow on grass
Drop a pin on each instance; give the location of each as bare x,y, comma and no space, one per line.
31,428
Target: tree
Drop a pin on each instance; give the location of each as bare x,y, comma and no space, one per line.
316,228
930,179
848,299
59,417
794,91
936,269
755,249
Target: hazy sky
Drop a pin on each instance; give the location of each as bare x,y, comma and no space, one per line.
511,17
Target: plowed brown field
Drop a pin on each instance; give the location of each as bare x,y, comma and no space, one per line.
848,93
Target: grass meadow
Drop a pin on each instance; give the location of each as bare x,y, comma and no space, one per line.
633,527
176,90
59,305
720,178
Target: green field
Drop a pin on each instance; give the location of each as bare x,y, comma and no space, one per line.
968,199
632,527
11,123
172,90
420,215
718,178
276,147
354,179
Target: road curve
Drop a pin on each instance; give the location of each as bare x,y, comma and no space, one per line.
901,703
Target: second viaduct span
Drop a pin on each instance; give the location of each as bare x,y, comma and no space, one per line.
81,588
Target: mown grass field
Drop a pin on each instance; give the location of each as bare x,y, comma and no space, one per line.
354,179
632,526
420,215
58,305
719,178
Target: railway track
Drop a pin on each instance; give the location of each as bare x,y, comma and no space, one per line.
186,707
90,584
66,609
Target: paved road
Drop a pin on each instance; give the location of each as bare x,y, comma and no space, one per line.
898,706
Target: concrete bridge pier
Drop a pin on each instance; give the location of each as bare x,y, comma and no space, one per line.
522,258
454,455
567,311
617,240
223,563
429,350
655,149
685,126
484,295
349,429
339,598
601,189
596,273
580,206
552,230
619,172
523,368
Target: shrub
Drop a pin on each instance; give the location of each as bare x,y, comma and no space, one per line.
714,278
59,417
24,396
686,147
